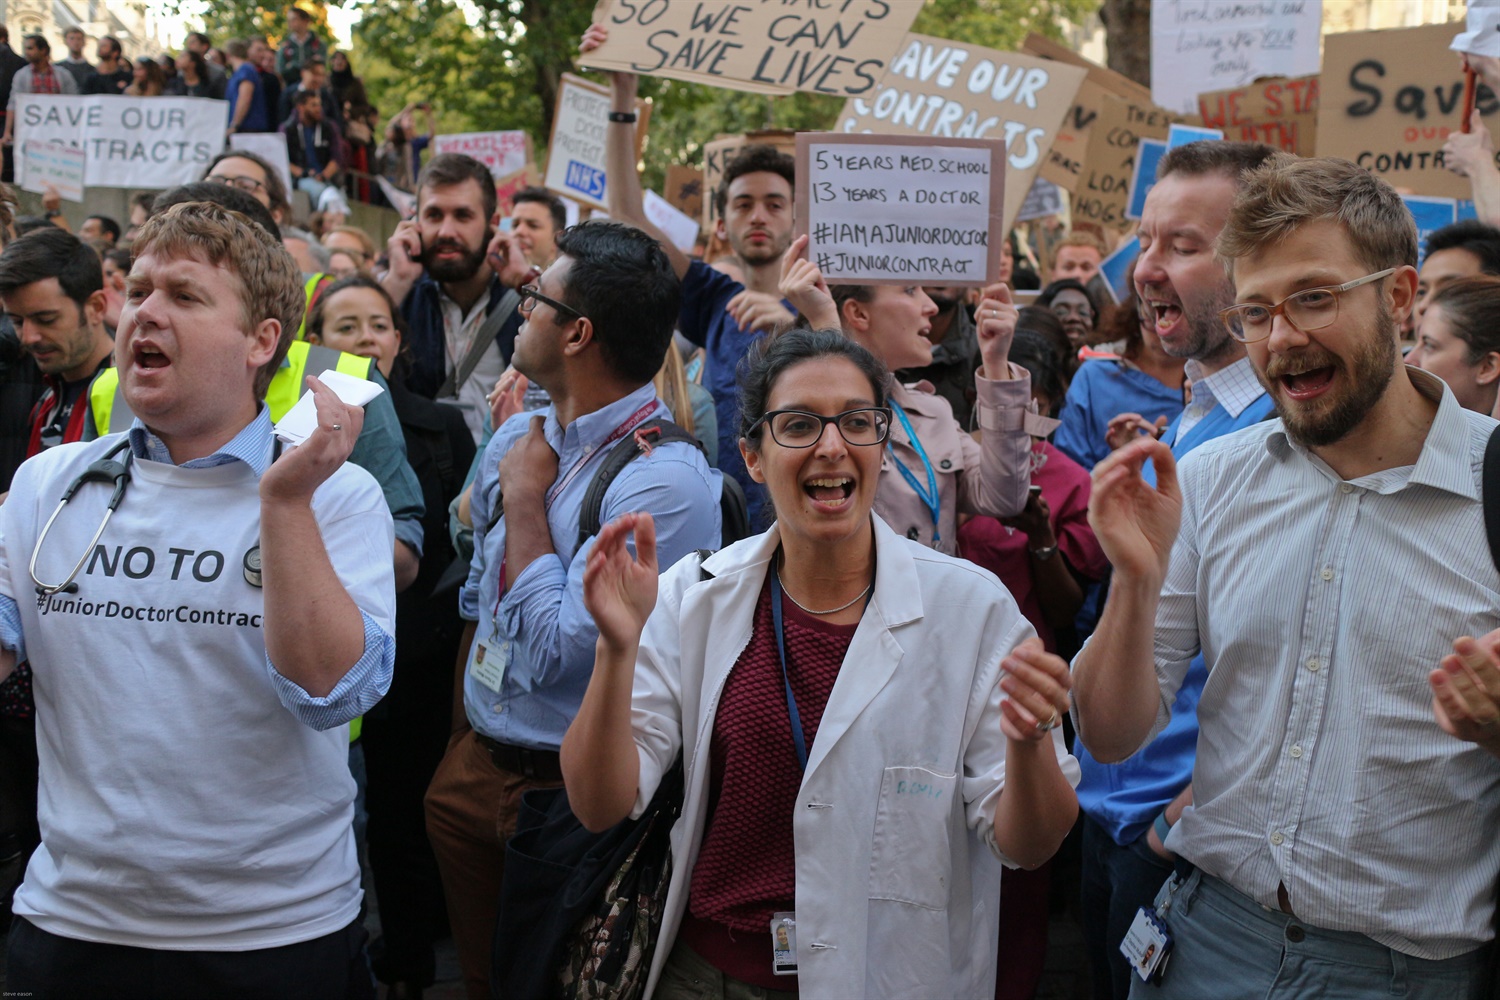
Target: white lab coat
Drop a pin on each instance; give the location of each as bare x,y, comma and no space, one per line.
898,882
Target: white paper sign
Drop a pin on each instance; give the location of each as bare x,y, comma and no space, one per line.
503,152
128,142
575,159
681,229
51,164
402,201
269,146
1199,46
901,209
302,419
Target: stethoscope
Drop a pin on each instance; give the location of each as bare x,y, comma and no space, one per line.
111,470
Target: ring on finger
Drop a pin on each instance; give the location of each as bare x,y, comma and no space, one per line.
336,427
1051,724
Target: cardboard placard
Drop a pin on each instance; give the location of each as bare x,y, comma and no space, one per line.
777,48
575,154
1044,199
503,152
1279,111
681,229
945,89
506,187
269,146
1065,159
1204,45
1103,191
684,190
1388,100
129,142
885,209
718,153
1148,156
51,164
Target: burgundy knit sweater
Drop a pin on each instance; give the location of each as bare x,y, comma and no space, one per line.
746,869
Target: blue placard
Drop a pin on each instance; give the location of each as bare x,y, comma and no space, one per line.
1431,214
1466,210
1181,135
584,179
1148,156
1116,268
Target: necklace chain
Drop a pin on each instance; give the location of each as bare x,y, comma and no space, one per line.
830,611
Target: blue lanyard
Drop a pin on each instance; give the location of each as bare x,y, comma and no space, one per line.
798,740
930,495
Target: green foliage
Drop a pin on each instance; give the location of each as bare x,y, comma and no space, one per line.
226,19
501,71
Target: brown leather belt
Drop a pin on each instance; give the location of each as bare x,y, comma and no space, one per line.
542,765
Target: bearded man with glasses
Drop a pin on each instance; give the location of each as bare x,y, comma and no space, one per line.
1331,567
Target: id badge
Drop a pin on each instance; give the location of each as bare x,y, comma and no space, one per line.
488,660
1147,946
784,944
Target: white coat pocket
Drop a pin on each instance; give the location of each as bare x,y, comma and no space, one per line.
910,858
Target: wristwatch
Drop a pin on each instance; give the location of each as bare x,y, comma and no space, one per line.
1044,553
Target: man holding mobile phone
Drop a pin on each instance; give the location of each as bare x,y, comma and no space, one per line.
456,275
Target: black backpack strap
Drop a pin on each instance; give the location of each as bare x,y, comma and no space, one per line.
1490,494
650,434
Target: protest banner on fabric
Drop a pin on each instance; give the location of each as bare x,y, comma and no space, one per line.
1388,100
1206,45
1065,159
128,142
503,152
269,146
53,165
506,187
946,89
575,155
834,48
1279,111
684,190
681,228
1103,192
718,153
886,209
1044,199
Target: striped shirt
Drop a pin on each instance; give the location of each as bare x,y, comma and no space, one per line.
1320,606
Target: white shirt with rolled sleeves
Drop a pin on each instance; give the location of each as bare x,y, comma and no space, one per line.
191,797
897,894
1321,606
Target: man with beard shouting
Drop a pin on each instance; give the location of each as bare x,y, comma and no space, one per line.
1129,807
456,278
1330,566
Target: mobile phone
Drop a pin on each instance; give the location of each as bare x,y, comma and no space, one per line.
506,224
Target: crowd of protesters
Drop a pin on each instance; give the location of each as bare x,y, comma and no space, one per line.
938,602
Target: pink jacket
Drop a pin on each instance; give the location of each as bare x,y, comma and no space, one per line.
990,478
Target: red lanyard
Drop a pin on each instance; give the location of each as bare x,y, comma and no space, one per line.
631,423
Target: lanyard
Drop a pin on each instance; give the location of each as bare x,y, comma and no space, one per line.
928,496
799,741
630,424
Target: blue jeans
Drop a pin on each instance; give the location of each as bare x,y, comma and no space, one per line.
1117,881
1226,945
314,188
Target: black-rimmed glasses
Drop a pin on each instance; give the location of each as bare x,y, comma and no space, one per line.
868,425
1308,310
530,296
249,185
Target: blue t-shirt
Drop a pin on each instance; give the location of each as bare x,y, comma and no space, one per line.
256,120
1102,390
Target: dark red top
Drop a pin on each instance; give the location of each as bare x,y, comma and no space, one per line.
746,869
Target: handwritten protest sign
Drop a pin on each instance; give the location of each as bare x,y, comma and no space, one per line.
269,146
51,164
1204,45
128,142
1103,191
508,186
829,48
575,156
1388,100
945,89
717,154
503,152
1147,158
1280,111
681,229
684,190
1065,159
884,209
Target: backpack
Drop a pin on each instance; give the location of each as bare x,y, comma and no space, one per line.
734,512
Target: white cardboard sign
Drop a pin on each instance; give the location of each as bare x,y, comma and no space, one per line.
51,164
681,228
503,152
1198,46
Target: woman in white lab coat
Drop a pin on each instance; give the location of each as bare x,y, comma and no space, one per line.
925,757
